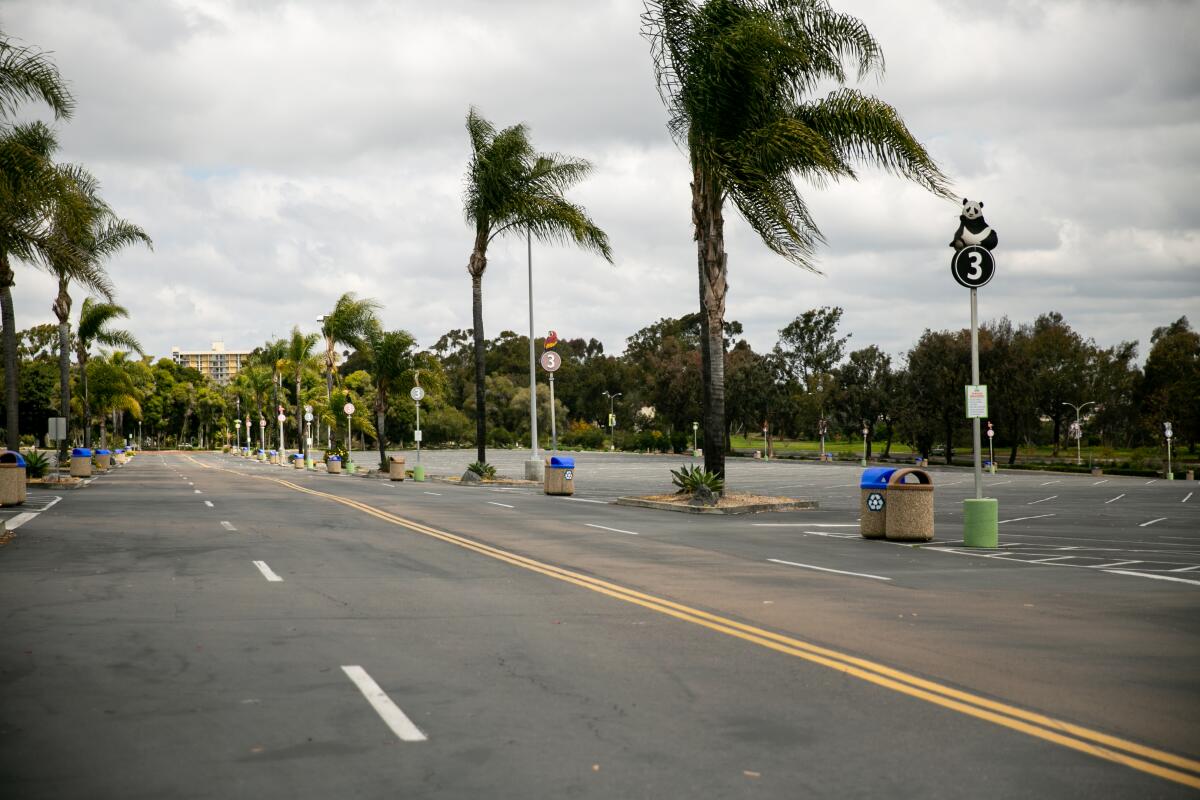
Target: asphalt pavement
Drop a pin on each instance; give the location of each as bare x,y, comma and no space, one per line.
205,626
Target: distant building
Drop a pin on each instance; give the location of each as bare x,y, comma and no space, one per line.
218,363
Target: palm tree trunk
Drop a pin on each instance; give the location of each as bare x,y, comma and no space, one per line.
476,267
62,309
301,442
709,223
381,429
103,431
11,400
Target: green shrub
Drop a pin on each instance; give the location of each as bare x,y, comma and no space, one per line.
583,434
339,451
691,478
483,469
36,464
500,437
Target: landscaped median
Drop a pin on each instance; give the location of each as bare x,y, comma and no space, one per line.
730,503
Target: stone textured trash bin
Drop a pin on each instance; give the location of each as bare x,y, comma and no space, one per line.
12,478
560,476
872,503
298,461
103,460
81,463
396,468
119,456
333,465
909,506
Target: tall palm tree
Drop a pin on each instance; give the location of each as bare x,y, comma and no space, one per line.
29,184
511,187
297,358
113,390
737,77
95,317
88,240
272,355
257,381
390,360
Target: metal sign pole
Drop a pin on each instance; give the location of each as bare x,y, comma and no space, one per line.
553,425
418,404
975,382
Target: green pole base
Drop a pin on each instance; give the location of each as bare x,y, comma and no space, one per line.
980,527
418,472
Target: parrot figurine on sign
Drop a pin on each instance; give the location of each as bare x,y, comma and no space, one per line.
551,340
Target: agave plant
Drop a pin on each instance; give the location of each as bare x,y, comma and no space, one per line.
37,464
691,478
483,469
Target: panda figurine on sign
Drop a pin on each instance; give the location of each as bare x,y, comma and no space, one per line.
973,228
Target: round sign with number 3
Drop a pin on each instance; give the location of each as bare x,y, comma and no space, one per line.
973,266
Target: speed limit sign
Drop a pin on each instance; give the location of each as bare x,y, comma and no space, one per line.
551,361
973,266
417,393
348,408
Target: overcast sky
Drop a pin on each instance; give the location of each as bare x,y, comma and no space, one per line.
281,153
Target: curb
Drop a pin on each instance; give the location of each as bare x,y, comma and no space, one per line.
791,505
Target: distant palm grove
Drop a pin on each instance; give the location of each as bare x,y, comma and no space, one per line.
739,80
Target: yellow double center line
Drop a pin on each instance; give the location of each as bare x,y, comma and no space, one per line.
1111,748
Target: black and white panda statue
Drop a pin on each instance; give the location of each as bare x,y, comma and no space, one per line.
973,228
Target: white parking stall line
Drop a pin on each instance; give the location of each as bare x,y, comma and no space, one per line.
1151,522
197,491
585,500
19,520
1044,499
999,483
1097,483
227,525
1053,558
505,505
1049,483
1114,564
208,503
827,569
614,530
267,572
1192,568
1115,499
435,494
1150,482
804,524
1148,575
1188,497
391,714
1022,519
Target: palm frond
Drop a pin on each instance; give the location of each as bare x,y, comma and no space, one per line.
27,74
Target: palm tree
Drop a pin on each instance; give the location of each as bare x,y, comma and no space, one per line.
297,358
93,326
510,187
29,184
88,241
256,379
347,324
735,76
390,360
113,390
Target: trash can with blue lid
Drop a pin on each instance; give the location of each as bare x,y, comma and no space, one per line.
333,465
12,478
560,476
298,461
872,507
81,463
910,506
103,459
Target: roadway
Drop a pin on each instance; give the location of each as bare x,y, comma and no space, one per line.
198,621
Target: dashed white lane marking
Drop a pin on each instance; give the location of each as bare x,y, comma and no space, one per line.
1184,500
1154,577
493,503
804,524
227,525
1151,522
208,503
1044,499
1097,483
1049,483
1115,499
197,491
435,494
827,569
1022,519
1150,482
267,572
391,714
999,483
614,530
19,520
585,500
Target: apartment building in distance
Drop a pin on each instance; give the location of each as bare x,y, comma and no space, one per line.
218,363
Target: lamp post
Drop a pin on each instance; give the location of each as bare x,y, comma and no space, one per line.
1169,433
248,432
695,437
140,435
865,431
612,420
1077,431
237,432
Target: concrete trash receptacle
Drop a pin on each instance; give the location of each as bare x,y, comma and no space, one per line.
333,465
298,461
81,463
396,468
872,504
272,456
909,506
119,456
12,478
560,476
103,460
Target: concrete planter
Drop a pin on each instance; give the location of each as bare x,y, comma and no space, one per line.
396,468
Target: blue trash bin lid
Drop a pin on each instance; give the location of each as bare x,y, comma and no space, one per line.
335,458
120,449
272,452
104,452
876,477
81,452
12,457
562,461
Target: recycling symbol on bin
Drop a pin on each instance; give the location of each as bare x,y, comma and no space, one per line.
875,501
569,475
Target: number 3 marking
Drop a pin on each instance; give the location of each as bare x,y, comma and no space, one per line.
975,271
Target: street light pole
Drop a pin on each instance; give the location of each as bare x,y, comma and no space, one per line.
612,419
1078,431
237,433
